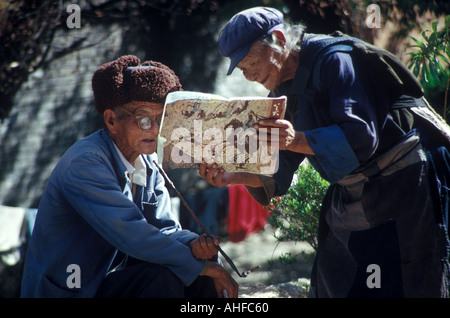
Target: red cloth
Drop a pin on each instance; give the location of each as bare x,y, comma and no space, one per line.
245,214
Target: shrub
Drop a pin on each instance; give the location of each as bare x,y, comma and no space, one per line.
431,59
296,214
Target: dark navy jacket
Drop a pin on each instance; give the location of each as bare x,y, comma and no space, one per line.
346,117
342,116
86,214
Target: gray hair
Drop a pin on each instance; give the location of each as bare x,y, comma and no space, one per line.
292,32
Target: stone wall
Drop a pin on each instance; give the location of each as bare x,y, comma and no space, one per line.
52,110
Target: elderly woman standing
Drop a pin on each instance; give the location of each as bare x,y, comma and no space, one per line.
382,232
104,226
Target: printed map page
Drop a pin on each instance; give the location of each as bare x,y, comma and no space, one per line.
200,127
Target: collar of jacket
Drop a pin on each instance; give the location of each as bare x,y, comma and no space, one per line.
120,169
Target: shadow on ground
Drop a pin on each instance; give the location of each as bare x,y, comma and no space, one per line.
284,266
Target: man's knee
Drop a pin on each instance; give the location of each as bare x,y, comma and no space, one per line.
161,283
142,280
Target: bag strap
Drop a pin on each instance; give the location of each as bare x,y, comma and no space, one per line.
406,92
315,48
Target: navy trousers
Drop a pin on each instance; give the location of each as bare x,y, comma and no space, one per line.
139,279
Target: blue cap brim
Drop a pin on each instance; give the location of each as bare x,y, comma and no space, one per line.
237,56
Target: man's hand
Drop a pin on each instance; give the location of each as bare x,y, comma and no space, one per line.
218,177
204,247
222,281
214,175
288,138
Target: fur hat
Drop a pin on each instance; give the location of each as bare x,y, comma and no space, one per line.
125,80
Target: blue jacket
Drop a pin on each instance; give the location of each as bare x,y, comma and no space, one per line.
87,213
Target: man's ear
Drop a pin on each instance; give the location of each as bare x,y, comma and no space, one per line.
110,118
280,36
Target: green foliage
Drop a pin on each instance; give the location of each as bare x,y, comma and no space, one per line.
427,61
286,258
296,214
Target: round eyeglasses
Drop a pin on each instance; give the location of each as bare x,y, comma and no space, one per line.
144,122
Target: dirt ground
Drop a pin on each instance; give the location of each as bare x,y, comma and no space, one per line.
284,266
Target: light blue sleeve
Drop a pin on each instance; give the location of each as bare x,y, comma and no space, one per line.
93,190
334,157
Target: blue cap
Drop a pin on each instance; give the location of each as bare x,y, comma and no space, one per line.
244,29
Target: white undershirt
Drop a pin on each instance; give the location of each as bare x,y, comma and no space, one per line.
137,172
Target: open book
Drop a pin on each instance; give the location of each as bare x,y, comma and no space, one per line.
199,127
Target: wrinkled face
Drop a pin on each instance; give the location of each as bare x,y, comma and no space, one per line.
126,132
262,64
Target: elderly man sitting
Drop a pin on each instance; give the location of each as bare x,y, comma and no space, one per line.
105,214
